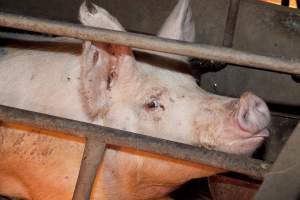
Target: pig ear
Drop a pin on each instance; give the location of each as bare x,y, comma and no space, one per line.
96,16
103,66
179,25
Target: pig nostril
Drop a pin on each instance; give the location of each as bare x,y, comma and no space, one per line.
253,113
263,110
260,107
245,115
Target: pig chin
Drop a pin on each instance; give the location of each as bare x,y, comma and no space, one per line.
239,141
246,146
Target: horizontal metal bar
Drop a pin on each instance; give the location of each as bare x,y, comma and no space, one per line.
91,160
241,164
37,38
141,41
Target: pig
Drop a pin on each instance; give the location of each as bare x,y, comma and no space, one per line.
105,84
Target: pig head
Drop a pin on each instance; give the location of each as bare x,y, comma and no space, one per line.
164,102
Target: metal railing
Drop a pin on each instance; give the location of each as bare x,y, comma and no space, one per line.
97,137
142,41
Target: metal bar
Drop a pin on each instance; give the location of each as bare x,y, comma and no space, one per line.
37,38
141,41
232,15
241,164
283,180
285,115
91,160
224,187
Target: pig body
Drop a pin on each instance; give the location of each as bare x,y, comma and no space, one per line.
104,84
29,157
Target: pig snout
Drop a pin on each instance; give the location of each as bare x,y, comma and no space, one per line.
253,114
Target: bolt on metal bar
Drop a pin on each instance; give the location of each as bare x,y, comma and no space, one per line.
141,41
91,160
240,164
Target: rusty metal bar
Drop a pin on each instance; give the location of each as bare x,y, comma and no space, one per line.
141,41
241,164
282,181
91,160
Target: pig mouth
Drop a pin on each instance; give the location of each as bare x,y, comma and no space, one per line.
262,134
258,137
250,144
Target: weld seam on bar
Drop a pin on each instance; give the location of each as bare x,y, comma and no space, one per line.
141,41
91,160
240,164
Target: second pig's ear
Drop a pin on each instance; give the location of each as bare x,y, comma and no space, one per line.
103,66
180,24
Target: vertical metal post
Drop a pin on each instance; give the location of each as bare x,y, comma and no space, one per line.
91,160
232,15
283,182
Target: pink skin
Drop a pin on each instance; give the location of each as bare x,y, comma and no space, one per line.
237,126
252,118
253,114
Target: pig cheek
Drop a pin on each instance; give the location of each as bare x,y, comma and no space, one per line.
122,118
206,135
223,134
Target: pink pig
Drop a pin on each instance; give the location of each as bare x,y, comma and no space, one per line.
104,84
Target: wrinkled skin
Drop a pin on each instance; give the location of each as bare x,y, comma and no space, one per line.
104,84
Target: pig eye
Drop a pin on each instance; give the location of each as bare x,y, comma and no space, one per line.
154,104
